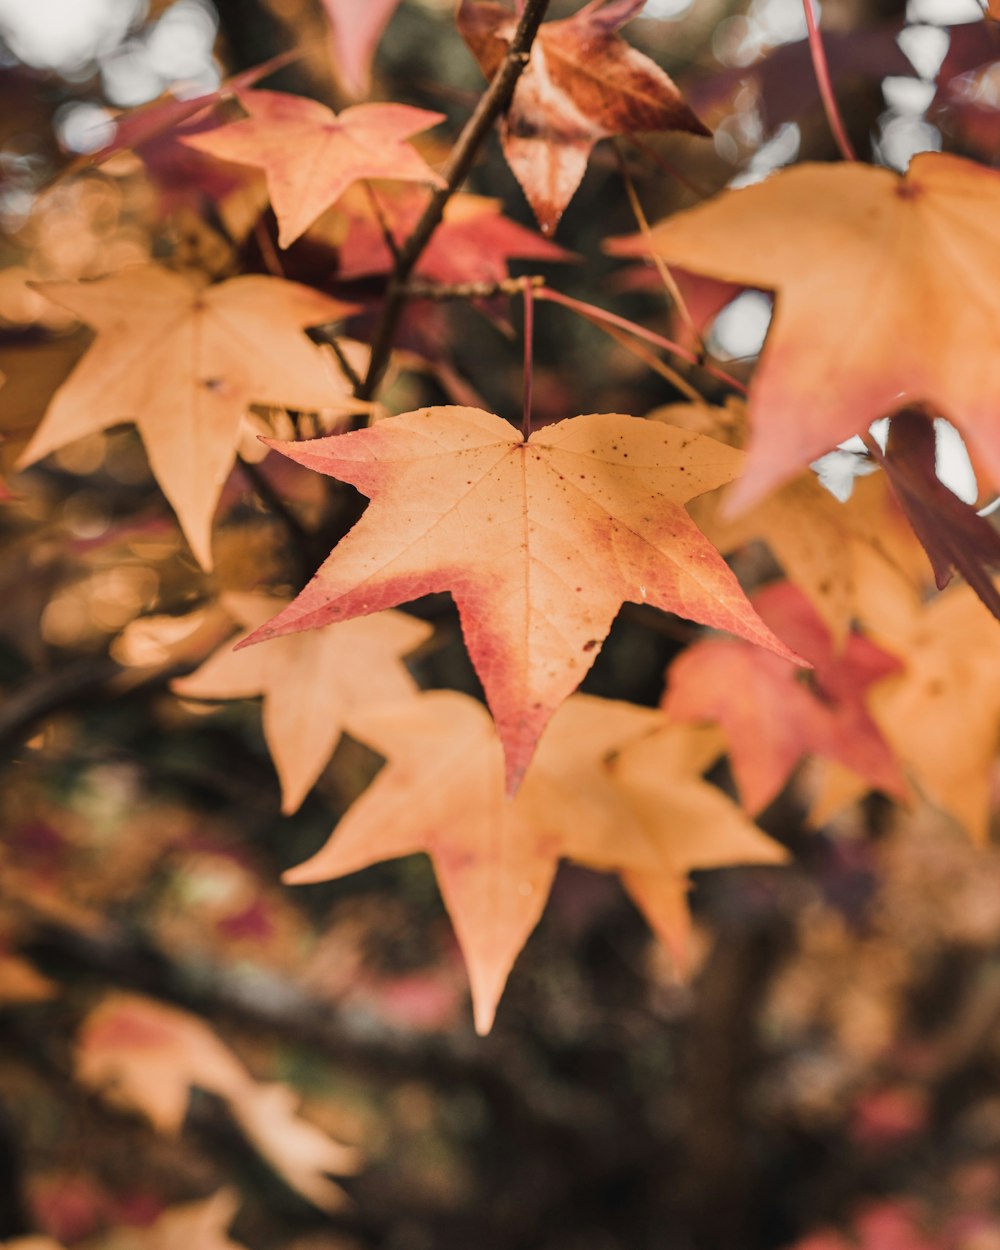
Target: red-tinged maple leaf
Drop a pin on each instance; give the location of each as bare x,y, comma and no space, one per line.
770,718
310,682
136,127
887,286
690,825
143,1055
184,361
582,83
539,541
472,244
357,30
311,155
953,534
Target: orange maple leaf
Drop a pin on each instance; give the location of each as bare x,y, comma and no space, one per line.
690,824
583,83
310,682
771,720
442,792
184,361
818,539
941,714
539,541
311,155
888,294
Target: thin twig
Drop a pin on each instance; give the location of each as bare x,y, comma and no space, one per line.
822,72
601,316
383,221
348,370
491,104
666,277
652,361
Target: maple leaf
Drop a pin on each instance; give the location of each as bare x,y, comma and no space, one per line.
310,682
881,279
821,542
357,30
690,825
539,541
146,1056
184,361
472,244
771,719
582,83
442,792
941,715
311,155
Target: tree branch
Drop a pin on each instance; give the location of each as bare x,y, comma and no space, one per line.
491,104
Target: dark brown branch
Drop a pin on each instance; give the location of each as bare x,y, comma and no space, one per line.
491,104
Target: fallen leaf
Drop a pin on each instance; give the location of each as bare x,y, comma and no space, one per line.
880,278
184,361
539,541
357,30
142,1055
582,83
310,682
771,718
311,155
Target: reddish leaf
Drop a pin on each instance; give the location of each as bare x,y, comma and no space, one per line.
583,83
540,542
473,243
311,155
953,534
771,718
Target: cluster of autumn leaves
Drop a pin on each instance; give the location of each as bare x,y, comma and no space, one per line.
887,298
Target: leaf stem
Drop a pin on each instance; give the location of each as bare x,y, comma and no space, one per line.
528,295
602,317
822,72
491,104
